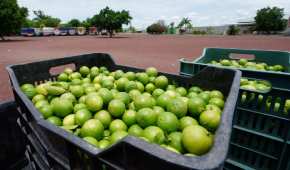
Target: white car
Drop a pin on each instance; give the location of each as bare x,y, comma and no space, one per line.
48,31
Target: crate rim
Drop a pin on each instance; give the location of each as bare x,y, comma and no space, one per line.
201,162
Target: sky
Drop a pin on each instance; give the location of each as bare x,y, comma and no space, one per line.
146,12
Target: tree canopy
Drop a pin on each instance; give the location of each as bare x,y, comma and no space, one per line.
12,17
42,20
74,23
270,19
111,20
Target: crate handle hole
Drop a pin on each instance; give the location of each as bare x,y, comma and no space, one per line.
59,69
237,56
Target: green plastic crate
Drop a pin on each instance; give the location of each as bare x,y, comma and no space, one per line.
269,57
260,136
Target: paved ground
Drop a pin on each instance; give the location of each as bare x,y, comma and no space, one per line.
161,51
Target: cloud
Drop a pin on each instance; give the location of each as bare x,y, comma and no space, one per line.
201,12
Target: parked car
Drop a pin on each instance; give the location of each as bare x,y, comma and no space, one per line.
81,30
72,31
27,32
48,31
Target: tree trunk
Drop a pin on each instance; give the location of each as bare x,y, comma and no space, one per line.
2,37
111,33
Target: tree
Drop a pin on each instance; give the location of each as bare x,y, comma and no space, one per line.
11,17
156,28
270,19
111,20
185,24
171,29
42,20
233,30
74,23
87,23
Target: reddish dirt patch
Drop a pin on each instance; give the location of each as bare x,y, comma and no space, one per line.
161,51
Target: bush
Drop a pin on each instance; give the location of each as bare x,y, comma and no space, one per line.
198,32
233,30
156,29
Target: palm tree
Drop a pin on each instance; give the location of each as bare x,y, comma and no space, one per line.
184,24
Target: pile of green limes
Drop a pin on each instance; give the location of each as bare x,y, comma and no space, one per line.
103,107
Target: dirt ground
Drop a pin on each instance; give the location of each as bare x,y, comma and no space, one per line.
161,51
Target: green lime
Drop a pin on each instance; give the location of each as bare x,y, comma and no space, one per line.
146,117
143,78
216,94
69,120
195,89
84,70
77,90
118,74
158,110
94,102
103,144
154,134
195,106
68,96
129,117
79,106
135,130
105,118
82,115
134,93
140,86
106,95
217,101
130,75
161,82
38,97
121,83
118,135
204,96
122,96
177,106
130,86
62,107
54,120
181,90
46,111
175,141
143,101
93,128
150,87
168,122
151,72
196,139
210,119
91,141
157,92
117,125
116,108
187,121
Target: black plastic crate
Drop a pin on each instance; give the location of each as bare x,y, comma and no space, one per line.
12,141
131,152
35,149
258,123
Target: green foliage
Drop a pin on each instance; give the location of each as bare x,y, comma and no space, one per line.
111,20
233,30
199,32
87,23
43,20
156,28
270,19
185,24
12,17
74,23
